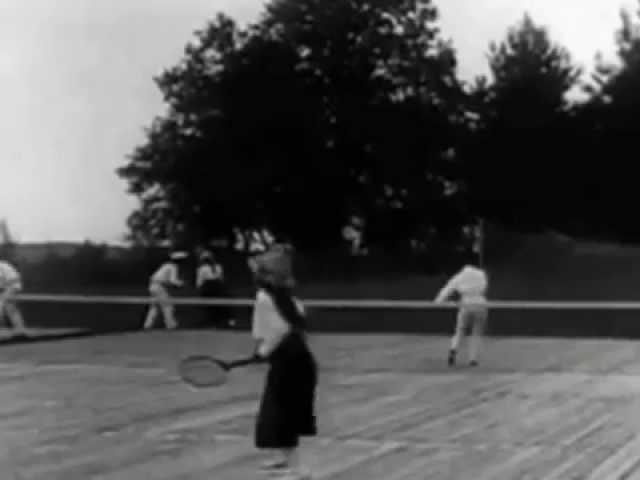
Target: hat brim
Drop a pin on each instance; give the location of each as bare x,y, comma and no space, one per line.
273,267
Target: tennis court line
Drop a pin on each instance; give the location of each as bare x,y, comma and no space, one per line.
8,367
390,445
93,366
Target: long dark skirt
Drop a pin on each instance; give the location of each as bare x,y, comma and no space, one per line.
215,315
287,407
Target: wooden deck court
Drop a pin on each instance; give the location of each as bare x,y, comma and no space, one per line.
111,408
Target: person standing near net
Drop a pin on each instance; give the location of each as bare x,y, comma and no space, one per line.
210,283
470,284
286,410
163,279
10,285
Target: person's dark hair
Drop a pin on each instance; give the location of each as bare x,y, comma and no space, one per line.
283,300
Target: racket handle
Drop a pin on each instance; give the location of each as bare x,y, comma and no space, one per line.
245,361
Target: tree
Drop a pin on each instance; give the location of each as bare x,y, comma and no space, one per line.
168,173
518,162
611,126
391,99
321,109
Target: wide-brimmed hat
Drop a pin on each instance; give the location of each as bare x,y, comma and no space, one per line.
274,266
205,255
178,255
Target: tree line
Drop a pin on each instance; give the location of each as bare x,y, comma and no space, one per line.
323,110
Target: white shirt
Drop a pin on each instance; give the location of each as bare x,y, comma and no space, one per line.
9,276
350,233
268,326
207,273
167,274
470,283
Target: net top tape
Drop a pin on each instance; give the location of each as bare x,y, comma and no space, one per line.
336,304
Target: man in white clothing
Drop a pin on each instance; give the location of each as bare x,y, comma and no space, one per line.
10,285
162,280
470,284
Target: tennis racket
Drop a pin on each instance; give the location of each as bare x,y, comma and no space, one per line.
202,371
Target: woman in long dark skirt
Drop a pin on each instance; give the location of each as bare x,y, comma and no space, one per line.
287,406
210,284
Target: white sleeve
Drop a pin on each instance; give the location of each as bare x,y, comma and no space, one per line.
217,272
12,274
202,275
267,325
174,278
448,289
259,317
10,277
160,275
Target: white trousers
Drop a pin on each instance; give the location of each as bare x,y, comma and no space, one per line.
160,305
475,318
9,308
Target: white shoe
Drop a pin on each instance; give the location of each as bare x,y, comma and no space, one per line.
277,464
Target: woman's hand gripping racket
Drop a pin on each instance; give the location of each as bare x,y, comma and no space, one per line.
203,371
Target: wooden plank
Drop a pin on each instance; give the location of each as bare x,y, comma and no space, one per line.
623,462
37,333
194,460
422,407
385,464
547,409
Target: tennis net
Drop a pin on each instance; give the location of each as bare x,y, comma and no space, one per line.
508,318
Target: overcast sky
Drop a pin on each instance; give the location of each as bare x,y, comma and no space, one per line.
77,90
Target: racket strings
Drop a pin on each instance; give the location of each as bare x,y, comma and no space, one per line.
202,372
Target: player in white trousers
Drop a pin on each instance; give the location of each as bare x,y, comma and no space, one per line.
162,280
10,285
470,284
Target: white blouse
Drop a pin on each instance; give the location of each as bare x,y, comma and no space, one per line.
268,326
208,272
9,277
167,275
470,283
